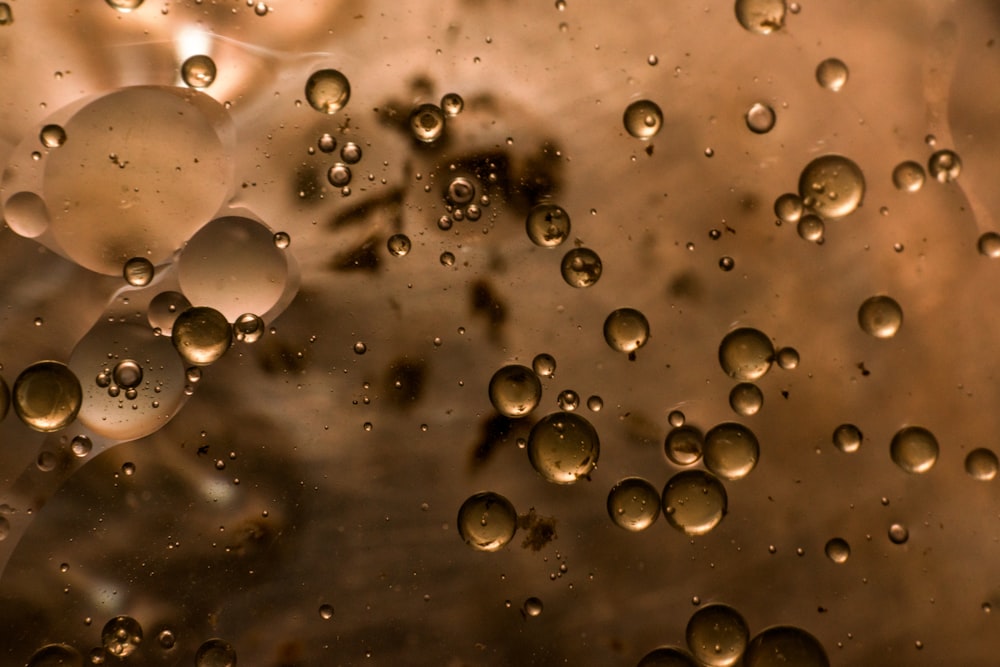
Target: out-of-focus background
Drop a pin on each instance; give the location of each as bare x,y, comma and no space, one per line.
299,499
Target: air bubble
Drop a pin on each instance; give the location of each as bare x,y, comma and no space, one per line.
563,447
908,176
568,400
785,645
832,74
676,418
761,16
121,636
138,272
837,550
914,449
727,263
427,123
626,330
447,259
667,656
452,104
47,396
787,358
847,438
684,445
989,245
248,328
398,245
81,446
125,6
832,186
461,191
880,316
487,521
164,309
811,228
328,91
326,611
581,267
515,391
198,71
760,118
27,214
127,373
717,635
788,207
731,451
544,365
746,354
634,504
166,639
595,403
694,502
643,119
746,399
944,166
532,607
547,225
281,240
201,335
898,533
339,175
982,464
52,136
327,143
215,653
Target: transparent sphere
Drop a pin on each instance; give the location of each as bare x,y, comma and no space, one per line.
694,502
568,400
532,607
717,635
847,438
328,91
787,358
166,638
914,449
56,655
326,611
898,533
547,225
880,316
760,118
667,656
908,176
125,6
633,504
626,330
989,245
683,445
811,228
838,550
788,207
487,521
452,104
138,271
164,309
201,335
544,365
339,175
515,390
461,190
215,653
248,328
746,399
746,354
643,119
782,646
398,245
121,636
198,71
427,123
563,447
944,166
981,464
761,16
832,186
351,153
581,267
731,451
47,396
52,136
832,74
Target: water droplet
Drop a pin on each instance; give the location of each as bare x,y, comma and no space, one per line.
626,330
788,207
746,354
164,309
847,438
138,271
982,464
568,400
339,175
731,451
581,267
398,245
328,91
460,191
563,447
166,639
694,501
880,316
683,445
326,611
760,118
447,259
667,656
515,391
27,214
56,655
746,399
832,186
783,645
248,328
47,396
761,16
832,74
544,365
908,176
944,166
787,358
427,123
128,468
653,60
547,225
125,6
727,263
52,136
261,9
487,521
634,504
676,418
121,636
532,607
81,446
201,335
837,550
281,240
717,635
198,71
811,228
989,245
643,119
914,449
595,403
127,373
452,104
215,653
327,143
898,533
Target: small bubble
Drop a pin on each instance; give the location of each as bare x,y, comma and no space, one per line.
832,186
811,228
683,444
327,142
198,71
727,263
47,396
248,328
760,118
201,335
652,60
746,399
452,104
515,391
898,533
260,9
914,449
880,316
121,636
351,153
398,245
626,330
989,245
128,468
746,354
568,400
787,358
326,611
460,191
676,418
832,74
788,207
127,373
837,550
339,175
717,635
643,119
447,259
847,438
544,365
282,240
487,521
731,451
427,123
563,447
595,403
547,225
694,502
368,426
908,176
46,461
982,464
80,446
138,271
581,267
328,90
166,639
761,16
215,653
51,136
633,504
532,607
944,166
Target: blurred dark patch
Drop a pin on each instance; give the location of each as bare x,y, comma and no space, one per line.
388,205
363,257
749,202
486,302
405,382
251,537
289,655
641,430
498,431
686,285
542,173
308,184
541,529
277,356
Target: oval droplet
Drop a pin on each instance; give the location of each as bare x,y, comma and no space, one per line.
989,245
880,316
832,74
544,365
760,118
788,207
201,335
563,447
746,399
452,104
633,504
398,245
898,533
47,396
626,330
761,16
328,91
198,71
832,186
427,123
248,328
731,451
694,501
746,354
811,228
944,166
547,225
138,271
847,438
683,445
982,464
121,636
581,267
908,176
838,550
914,449
52,136
487,521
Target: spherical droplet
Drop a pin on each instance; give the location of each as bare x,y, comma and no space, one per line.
198,71
532,607
727,263
515,390
339,175
643,119
326,611
944,166
880,316
461,191
398,245
52,136
568,400
166,638
452,104
427,123
676,418
989,245
761,16
731,451
914,449
982,464
717,635
201,335
667,656
215,653
81,446
832,74
746,399
908,176
27,214
281,240
447,258
544,365
581,267
47,396
634,504
694,501
788,207
898,533
811,228
837,550
56,655
327,142
684,445
547,225
127,374
248,328
121,636
787,358
563,447
125,6
626,330
832,186
595,403
847,438
782,646
760,118
746,354
351,153
328,91
138,271
487,521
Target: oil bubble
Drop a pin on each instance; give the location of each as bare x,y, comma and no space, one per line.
328,91
125,6
215,653
847,438
811,228
166,639
914,449
121,636
684,445
832,74
785,645
398,245
908,176
667,656
787,358
281,240
989,245
547,225
81,446
544,365
944,166
327,142
643,119
898,533
634,504
982,464
581,267
594,403
746,399
727,263
52,136
676,418
788,207
460,191
452,104
717,635
351,153
339,175
198,71
731,451
447,259
487,521
532,607
56,655
761,16
880,316
563,447
515,390
832,186
568,400
201,335
164,309
127,373
138,271
326,611
838,550
694,501
427,123
27,214
746,354
248,328
47,396
626,330
760,118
